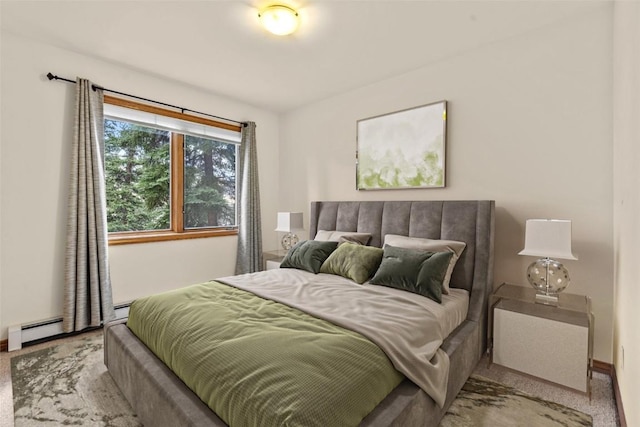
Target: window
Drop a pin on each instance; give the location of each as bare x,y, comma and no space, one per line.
168,175
138,177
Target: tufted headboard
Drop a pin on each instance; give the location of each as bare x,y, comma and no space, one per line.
470,221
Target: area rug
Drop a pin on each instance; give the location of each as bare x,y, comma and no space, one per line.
69,385
485,403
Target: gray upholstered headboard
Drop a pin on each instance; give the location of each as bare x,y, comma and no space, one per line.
470,221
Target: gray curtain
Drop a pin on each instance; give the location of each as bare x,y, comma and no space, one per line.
249,257
87,288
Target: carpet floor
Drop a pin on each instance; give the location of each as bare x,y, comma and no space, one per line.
485,403
67,384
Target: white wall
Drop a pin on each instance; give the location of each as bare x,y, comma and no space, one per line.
1,228
626,107
37,117
529,126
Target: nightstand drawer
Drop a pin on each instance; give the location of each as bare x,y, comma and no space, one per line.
542,344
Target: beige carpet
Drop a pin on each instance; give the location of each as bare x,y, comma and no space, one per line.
68,384
601,406
485,403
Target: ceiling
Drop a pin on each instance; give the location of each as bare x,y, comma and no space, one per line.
218,45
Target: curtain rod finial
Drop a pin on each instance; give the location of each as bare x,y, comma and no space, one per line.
50,76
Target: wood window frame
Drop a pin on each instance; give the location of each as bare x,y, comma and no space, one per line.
177,230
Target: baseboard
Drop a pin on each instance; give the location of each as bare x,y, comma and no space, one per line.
616,393
609,369
46,330
603,367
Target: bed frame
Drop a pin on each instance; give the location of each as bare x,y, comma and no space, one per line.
161,399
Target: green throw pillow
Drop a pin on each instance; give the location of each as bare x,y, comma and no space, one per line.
416,271
353,261
308,255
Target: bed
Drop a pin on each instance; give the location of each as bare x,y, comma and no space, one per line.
160,398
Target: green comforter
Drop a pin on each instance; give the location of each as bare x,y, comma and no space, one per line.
256,362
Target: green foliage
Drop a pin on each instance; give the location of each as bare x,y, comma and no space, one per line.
209,183
138,179
137,175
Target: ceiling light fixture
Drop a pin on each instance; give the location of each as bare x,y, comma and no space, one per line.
279,20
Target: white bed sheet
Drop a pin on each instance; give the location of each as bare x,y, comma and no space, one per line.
450,313
455,307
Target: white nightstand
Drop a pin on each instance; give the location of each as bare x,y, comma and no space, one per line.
554,343
272,259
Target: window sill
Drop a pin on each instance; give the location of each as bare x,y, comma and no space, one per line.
161,236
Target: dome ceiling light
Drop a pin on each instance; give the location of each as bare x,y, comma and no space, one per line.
279,20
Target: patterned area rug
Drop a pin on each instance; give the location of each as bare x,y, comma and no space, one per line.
69,385
485,403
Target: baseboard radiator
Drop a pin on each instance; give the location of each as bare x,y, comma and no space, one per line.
20,335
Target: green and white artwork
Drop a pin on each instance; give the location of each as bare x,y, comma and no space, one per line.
405,149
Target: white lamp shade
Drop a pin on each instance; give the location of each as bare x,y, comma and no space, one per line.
289,221
548,238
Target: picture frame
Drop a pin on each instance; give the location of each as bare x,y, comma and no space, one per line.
403,149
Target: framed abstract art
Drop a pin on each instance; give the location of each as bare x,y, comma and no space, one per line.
403,149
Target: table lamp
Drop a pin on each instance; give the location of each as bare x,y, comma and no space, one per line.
548,239
288,222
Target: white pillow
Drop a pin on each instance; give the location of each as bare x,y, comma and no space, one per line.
343,236
430,245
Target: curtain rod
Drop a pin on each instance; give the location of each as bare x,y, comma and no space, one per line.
94,87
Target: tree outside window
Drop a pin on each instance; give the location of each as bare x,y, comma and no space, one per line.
163,184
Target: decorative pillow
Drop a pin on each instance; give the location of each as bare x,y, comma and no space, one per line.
412,270
343,236
430,245
308,255
353,261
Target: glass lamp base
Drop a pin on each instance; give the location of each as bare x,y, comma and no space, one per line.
288,241
549,278
546,299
